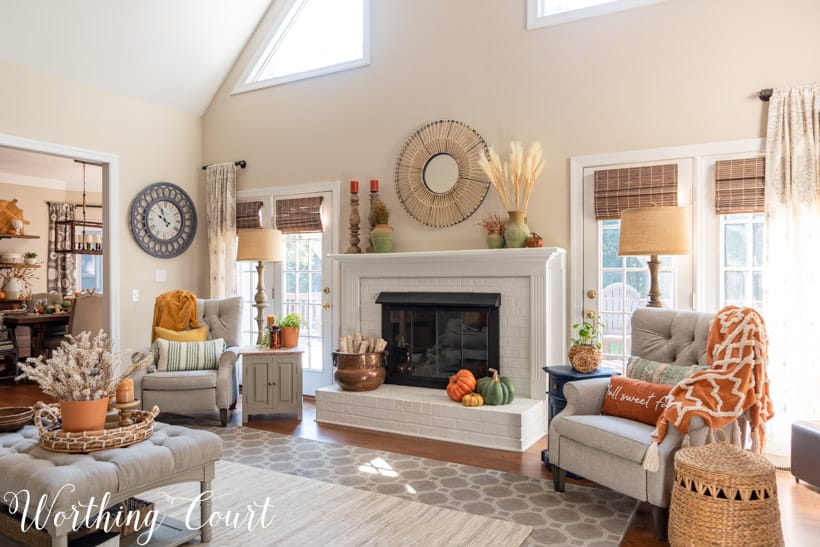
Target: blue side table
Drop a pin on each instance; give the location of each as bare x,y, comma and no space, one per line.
559,376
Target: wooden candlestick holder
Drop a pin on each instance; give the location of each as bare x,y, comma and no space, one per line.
374,197
126,410
354,224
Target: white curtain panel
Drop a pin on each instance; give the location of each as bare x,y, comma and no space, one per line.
792,293
222,228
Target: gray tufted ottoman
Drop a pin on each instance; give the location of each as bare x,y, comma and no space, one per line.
172,455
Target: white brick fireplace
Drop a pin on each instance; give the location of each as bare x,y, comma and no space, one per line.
532,334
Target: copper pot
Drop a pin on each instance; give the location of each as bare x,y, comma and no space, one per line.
359,371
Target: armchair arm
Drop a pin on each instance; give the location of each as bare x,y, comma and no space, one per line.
225,382
585,397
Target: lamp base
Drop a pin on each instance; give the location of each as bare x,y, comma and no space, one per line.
261,302
654,287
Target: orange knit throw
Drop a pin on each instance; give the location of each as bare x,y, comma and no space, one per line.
736,383
175,310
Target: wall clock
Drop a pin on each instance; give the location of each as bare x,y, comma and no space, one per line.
163,220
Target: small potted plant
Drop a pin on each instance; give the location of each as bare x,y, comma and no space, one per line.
495,225
585,352
30,258
83,373
382,234
290,329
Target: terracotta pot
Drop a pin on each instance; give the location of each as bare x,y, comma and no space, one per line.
359,371
290,337
79,416
584,358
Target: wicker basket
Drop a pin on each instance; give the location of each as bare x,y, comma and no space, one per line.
135,509
584,358
723,495
52,437
13,418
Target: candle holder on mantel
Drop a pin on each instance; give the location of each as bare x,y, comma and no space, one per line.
374,197
354,218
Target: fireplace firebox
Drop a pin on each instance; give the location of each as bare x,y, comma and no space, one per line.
431,335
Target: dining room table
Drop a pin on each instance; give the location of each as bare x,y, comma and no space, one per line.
39,323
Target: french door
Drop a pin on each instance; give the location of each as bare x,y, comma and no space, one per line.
615,286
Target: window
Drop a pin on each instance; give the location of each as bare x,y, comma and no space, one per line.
90,269
302,291
741,260
543,13
311,38
246,281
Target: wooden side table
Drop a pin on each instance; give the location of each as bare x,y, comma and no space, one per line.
559,376
271,381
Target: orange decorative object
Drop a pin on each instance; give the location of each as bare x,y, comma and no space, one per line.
461,383
125,391
79,416
535,240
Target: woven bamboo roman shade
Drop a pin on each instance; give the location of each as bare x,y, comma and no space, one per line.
740,186
300,215
630,187
248,215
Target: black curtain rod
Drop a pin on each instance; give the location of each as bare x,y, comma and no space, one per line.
239,163
765,94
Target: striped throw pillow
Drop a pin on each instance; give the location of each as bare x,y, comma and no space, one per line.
180,356
639,368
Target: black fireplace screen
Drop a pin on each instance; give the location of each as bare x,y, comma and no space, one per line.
433,335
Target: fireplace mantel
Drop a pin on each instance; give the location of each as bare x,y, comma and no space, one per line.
534,278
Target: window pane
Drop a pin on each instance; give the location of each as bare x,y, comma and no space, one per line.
552,7
640,281
609,278
667,285
636,261
735,288
734,245
610,249
757,244
757,289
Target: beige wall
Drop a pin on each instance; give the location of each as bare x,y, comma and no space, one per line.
679,72
153,144
32,200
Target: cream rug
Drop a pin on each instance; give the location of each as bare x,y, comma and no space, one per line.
310,512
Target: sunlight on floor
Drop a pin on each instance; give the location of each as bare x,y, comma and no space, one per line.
378,466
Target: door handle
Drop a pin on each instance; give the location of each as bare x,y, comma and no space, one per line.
326,290
325,307
592,294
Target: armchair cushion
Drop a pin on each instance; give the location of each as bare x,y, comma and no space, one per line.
176,381
659,373
617,436
190,335
635,399
187,356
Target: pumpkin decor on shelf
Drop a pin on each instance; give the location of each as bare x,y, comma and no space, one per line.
461,383
496,390
473,399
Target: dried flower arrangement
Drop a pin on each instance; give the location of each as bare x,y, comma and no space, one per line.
514,179
83,368
493,222
379,213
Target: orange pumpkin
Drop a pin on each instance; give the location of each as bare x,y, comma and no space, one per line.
461,383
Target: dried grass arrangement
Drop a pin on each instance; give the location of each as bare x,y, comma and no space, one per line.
83,368
515,178
493,222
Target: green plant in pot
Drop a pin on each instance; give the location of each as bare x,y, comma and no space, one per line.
585,352
30,258
290,329
382,234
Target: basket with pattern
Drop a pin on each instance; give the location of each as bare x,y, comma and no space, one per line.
13,418
53,438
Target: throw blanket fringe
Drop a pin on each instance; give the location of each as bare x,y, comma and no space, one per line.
736,383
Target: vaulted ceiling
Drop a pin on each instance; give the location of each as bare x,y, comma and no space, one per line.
173,53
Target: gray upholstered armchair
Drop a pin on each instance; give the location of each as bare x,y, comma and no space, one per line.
191,391
609,450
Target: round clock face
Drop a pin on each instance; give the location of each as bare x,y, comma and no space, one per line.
163,220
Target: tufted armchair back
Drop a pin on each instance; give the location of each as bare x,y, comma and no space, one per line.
223,317
671,336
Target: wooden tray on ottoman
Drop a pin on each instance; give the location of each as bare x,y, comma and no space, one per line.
53,438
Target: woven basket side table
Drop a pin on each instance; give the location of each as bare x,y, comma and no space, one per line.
723,495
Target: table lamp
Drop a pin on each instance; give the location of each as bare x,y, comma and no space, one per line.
654,231
260,245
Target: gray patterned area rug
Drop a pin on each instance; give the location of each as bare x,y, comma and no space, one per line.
582,516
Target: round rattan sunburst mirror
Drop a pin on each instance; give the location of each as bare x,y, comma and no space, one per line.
438,179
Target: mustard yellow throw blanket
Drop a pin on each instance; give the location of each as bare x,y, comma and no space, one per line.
736,350
175,310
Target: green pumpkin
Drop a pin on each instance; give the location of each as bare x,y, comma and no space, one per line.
496,390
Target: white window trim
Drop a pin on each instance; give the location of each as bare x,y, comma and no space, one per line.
282,9
535,20
704,156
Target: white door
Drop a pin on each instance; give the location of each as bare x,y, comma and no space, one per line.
615,286
303,285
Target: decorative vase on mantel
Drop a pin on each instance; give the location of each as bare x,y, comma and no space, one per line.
382,238
517,231
495,240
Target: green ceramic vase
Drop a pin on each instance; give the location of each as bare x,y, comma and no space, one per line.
382,238
495,240
517,231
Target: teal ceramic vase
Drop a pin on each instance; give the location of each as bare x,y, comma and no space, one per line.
382,238
495,240
517,231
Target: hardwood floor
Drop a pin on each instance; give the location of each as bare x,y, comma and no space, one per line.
799,504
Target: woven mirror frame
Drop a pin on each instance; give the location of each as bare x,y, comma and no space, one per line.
459,200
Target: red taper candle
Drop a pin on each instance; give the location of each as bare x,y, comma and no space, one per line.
354,186
374,185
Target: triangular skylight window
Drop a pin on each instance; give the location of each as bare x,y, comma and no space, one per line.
309,38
